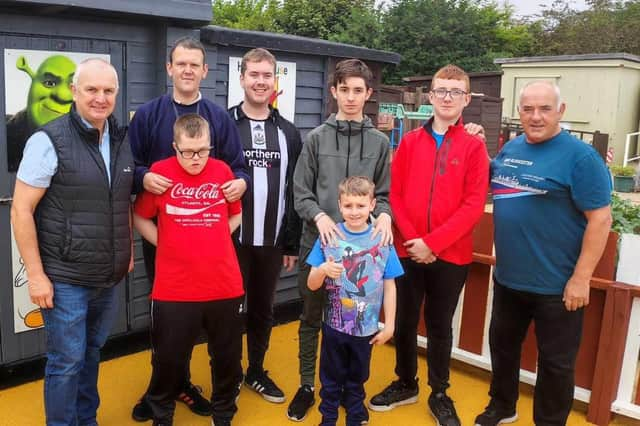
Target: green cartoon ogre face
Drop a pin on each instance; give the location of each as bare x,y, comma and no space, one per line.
50,92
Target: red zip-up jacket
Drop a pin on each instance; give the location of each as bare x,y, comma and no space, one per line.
439,194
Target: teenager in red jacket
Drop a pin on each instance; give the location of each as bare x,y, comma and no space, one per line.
439,180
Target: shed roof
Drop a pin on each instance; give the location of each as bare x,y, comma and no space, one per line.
471,75
564,58
190,12
214,34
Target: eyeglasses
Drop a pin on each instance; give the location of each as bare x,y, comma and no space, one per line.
189,154
442,93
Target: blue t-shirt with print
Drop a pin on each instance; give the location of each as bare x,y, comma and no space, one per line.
540,192
354,299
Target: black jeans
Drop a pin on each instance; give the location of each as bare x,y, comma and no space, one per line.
558,333
260,267
175,327
439,284
149,257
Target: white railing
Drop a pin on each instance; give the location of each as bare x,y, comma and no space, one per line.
627,143
625,401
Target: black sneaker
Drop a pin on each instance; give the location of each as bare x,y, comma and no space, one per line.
397,393
142,411
192,397
262,384
442,410
494,417
220,422
301,403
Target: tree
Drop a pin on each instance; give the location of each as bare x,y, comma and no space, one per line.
430,34
257,15
319,19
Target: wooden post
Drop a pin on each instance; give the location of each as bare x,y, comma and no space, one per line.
613,335
601,142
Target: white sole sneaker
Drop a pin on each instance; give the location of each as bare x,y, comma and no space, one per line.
383,408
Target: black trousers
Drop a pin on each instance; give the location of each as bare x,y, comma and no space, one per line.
558,334
439,284
175,326
260,267
149,256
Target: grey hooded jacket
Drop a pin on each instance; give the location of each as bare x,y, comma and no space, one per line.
332,152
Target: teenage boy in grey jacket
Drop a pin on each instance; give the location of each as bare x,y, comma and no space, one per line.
347,144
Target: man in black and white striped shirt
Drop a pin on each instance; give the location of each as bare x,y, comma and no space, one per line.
270,232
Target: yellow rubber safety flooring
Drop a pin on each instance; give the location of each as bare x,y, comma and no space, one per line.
124,379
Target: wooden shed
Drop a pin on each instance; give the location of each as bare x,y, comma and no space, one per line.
134,36
315,60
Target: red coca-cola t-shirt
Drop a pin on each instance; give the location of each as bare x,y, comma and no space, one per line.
195,260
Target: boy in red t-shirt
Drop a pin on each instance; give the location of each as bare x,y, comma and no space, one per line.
197,281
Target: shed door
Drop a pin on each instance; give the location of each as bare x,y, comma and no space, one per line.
34,76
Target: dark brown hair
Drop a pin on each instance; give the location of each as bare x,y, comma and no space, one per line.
188,43
351,68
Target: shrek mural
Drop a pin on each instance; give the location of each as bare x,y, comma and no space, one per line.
37,90
49,97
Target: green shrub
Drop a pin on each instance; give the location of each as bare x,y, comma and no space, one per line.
626,215
623,170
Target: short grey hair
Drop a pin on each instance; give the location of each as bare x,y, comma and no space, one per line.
83,64
549,83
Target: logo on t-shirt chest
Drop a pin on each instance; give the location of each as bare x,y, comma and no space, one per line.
206,191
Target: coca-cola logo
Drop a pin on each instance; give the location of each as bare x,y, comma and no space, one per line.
206,191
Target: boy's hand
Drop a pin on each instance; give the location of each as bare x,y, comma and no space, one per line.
475,130
234,189
419,251
383,226
155,183
289,262
332,269
328,230
382,336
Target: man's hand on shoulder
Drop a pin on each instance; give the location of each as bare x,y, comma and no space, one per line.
576,293
155,183
383,227
475,130
41,290
234,189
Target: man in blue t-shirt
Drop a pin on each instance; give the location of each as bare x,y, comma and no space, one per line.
552,217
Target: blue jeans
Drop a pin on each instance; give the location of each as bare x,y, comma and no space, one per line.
77,327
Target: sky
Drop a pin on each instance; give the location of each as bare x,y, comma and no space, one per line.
531,7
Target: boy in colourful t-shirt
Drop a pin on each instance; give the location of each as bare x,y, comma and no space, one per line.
358,275
197,281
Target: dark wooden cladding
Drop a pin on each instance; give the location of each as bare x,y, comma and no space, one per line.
190,12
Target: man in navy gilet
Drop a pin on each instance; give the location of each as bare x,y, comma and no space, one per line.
70,218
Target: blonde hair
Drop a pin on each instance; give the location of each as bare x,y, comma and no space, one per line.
356,185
